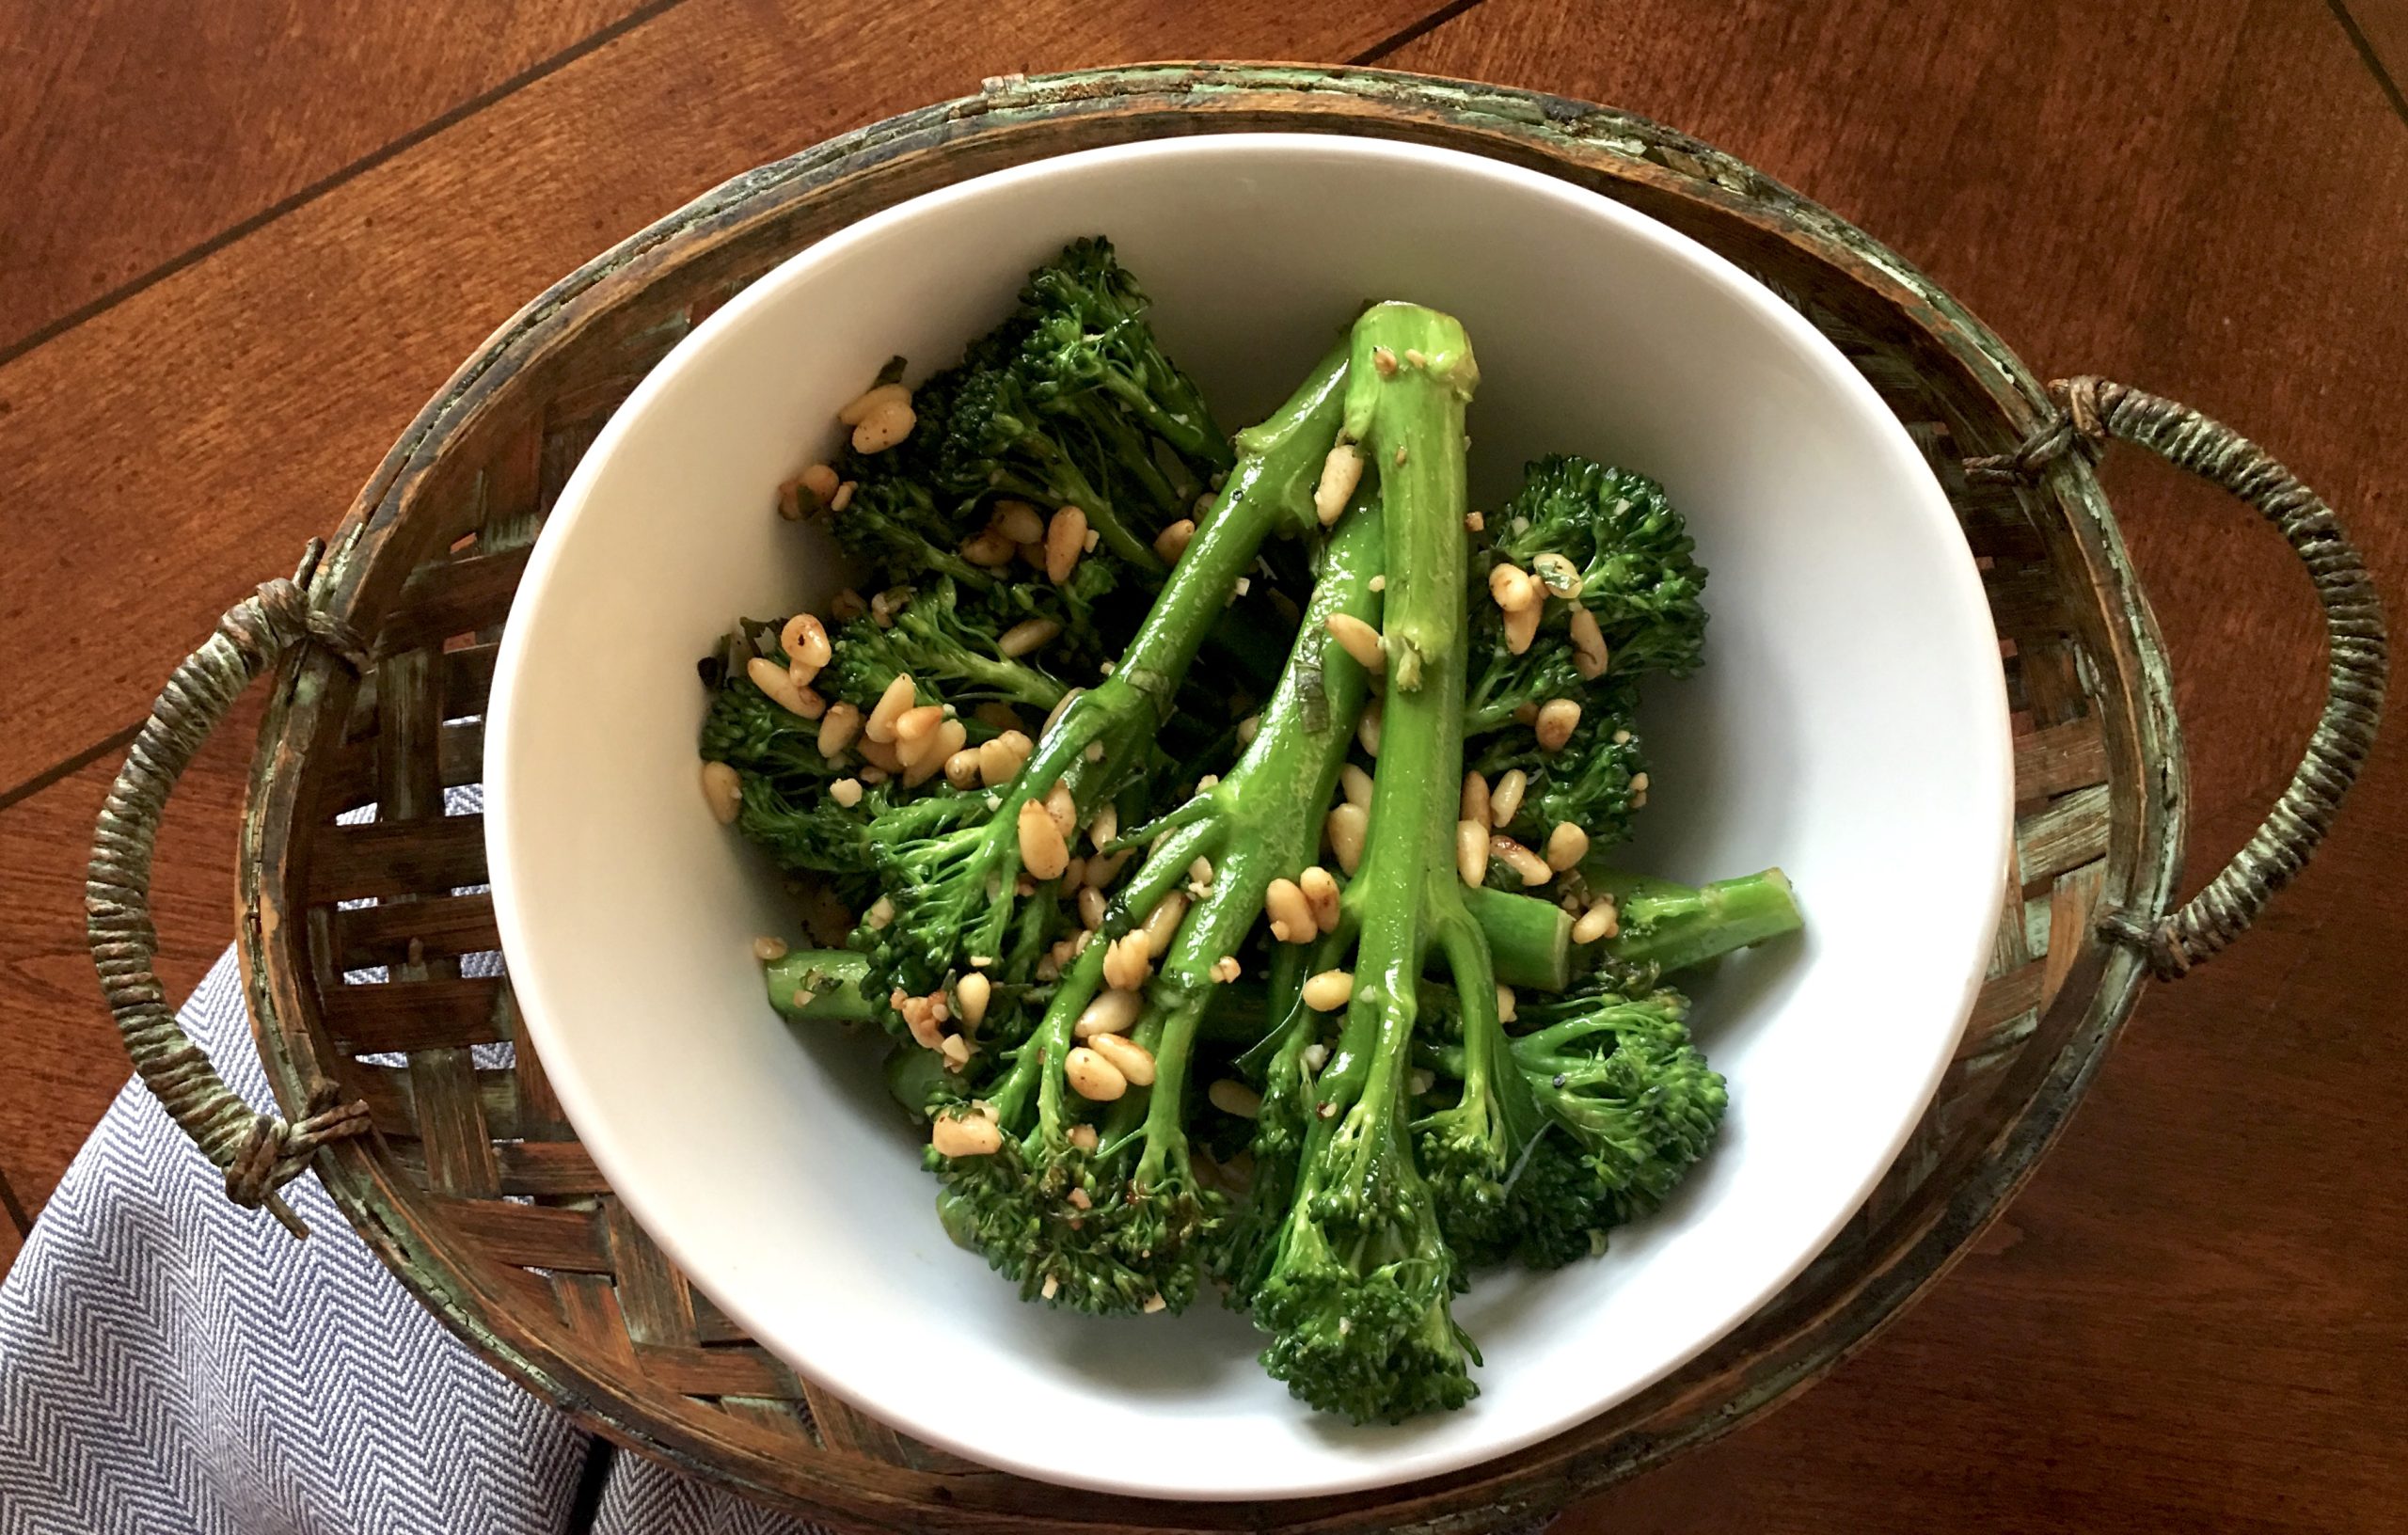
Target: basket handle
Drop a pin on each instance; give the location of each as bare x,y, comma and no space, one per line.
260,1152
2093,410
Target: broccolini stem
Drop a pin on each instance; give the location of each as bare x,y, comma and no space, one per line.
1529,939
819,985
1674,927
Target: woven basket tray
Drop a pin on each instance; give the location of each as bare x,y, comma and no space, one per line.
455,1162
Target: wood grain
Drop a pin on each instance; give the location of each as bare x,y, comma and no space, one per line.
133,130
2185,1323
2384,26
166,455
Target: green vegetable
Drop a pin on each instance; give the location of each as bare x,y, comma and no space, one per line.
1671,928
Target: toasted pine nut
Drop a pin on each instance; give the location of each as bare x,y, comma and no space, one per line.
1639,783
1384,362
768,949
804,639
820,480
1472,852
1529,865
1291,914
1200,871
845,791
1560,576
961,769
1329,990
987,546
1506,1004
891,704
1347,826
1105,826
1361,640
1475,800
1026,635
723,791
1357,785
1042,851
1340,472
1084,1137
1172,541
888,423
1127,963
996,716
1589,653
950,740
1525,713
1018,521
1366,729
1066,539
1226,968
1061,707
1111,1012
880,912
1104,868
915,725
1558,719
1566,845
1505,800
784,691
1511,587
1231,1096
857,409
843,497
1090,906
1321,893
1075,874
1599,921
1131,1059
1161,923
1249,728
1064,810
966,1136
1091,1076
970,995
838,727
1521,628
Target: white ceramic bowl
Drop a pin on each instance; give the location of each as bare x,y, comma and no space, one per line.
1850,726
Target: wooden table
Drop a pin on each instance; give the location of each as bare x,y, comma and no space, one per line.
241,243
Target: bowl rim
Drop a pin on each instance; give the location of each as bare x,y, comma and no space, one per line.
624,1171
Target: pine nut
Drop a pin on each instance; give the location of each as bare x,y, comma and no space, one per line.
1249,728
1042,851
1475,801
1091,1076
723,791
769,950
1090,906
1064,810
804,639
857,409
843,497
1529,865
1347,826
1505,800
1026,635
1589,653
845,791
887,423
1366,729
1511,587
898,697
1111,1012
961,769
1017,521
1131,1059
1560,576
1084,1137
949,742
1321,893
967,1135
1172,541
1161,923
1357,785
880,912
1639,783
1066,539
1231,1096
1105,826
1599,921
1104,868
1201,872
987,546
971,996
1291,914
1360,641
1340,472
838,727
1521,628
1075,874
1472,852
1127,963
1226,968
1329,990
1558,719
1000,760
1384,362
1566,845
1525,713
916,724
820,480
784,691
1508,1006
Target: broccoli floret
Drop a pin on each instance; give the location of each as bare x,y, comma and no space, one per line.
949,637
1595,781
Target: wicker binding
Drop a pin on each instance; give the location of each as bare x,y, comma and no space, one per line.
447,1148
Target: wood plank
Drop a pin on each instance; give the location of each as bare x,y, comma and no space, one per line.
2382,25
136,130
414,1015
182,409
2183,1323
